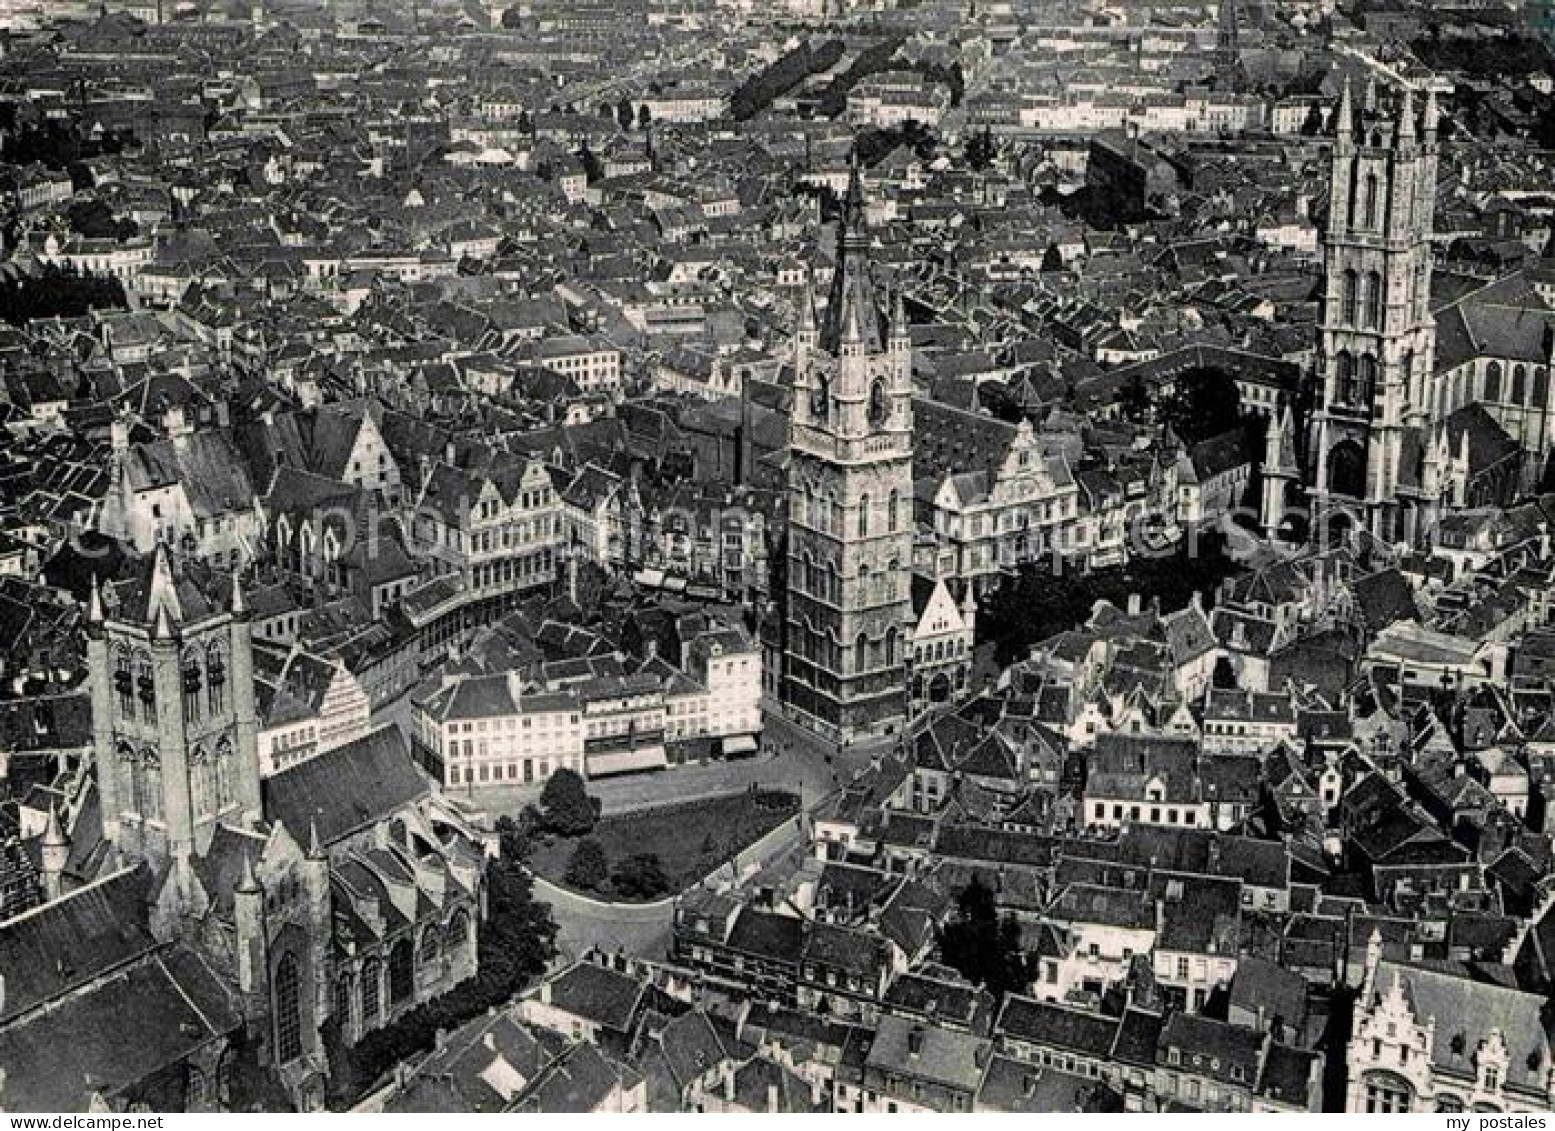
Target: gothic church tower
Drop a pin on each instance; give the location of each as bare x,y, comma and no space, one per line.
175,727
848,607
1377,336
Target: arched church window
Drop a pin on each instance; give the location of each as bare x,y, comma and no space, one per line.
1541,387
288,1010
820,400
129,776
1493,381
146,685
1373,300
1346,373
879,404
1366,378
402,973
1520,384
216,678
226,774
890,646
202,782
429,946
458,935
345,998
372,977
863,517
1349,297
148,802
893,505
192,680
861,653
833,513
1371,200
124,681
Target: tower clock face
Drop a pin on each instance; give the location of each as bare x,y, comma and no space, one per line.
878,405
820,400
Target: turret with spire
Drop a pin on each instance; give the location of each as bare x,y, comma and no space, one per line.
54,854
1280,469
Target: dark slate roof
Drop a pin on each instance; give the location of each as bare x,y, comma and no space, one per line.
345,789
1057,1026
595,993
778,937
70,942
115,1035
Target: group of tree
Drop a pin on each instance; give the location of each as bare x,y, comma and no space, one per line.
57,292
877,57
780,76
640,876
1485,56
1197,404
514,943
1042,599
55,142
872,144
95,220
981,149
984,947
566,808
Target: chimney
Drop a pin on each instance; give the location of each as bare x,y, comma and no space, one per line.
915,1041
1134,604
772,1099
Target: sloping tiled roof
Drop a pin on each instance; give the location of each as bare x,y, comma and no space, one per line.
345,789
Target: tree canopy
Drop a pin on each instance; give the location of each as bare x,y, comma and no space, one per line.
565,805
589,866
984,948
640,876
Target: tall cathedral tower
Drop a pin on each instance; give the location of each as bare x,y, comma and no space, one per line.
173,715
1373,426
848,607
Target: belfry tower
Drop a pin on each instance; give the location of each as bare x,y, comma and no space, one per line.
1376,347
848,602
174,723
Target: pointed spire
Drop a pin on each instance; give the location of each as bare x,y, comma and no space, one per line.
853,204
315,845
1345,125
94,604
246,882
808,319
53,834
1432,114
1406,117
852,332
898,313
162,590
162,628
238,604
1369,103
